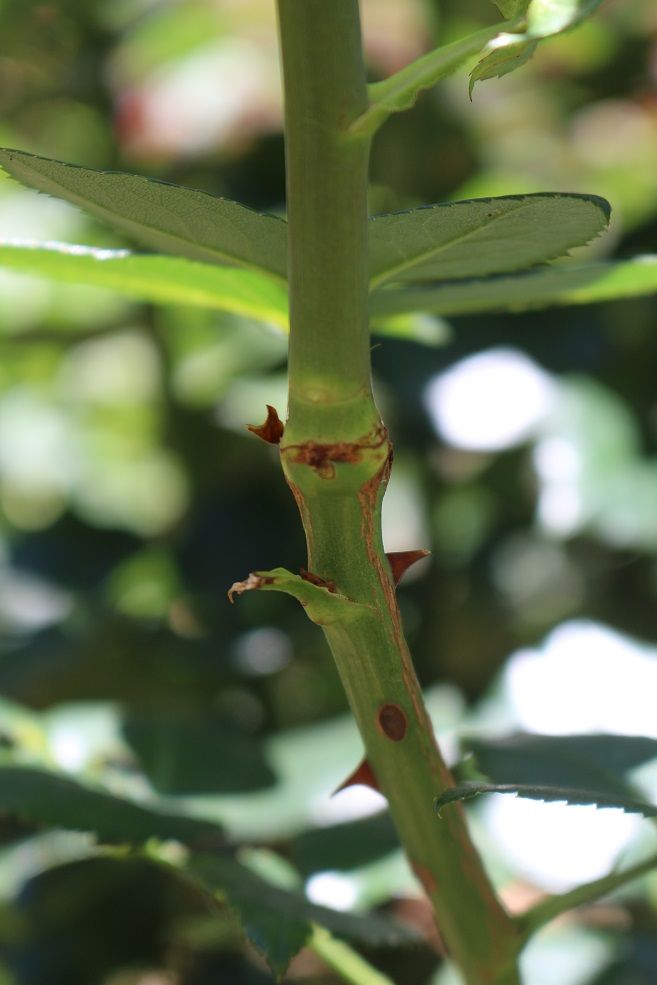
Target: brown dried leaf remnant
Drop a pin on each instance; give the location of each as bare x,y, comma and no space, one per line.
248,585
272,429
322,457
401,561
363,776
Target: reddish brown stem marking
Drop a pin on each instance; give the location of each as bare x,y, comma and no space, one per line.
392,722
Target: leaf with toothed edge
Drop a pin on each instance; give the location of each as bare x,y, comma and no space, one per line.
480,237
549,794
46,798
165,217
322,605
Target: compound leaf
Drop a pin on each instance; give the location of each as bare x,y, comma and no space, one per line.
482,236
163,216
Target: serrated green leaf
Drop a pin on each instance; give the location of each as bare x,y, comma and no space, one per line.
246,889
163,216
508,52
548,793
482,236
55,800
323,605
156,279
559,285
401,90
548,17
598,760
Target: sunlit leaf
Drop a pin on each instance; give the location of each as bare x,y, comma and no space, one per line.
559,285
550,794
548,17
401,90
163,216
157,279
481,236
55,800
508,53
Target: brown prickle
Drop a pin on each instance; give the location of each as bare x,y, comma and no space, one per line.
363,776
400,561
272,429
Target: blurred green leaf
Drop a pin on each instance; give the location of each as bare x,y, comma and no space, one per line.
559,285
548,17
481,236
58,801
251,894
508,54
512,8
579,761
157,279
548,793
197,757
166,217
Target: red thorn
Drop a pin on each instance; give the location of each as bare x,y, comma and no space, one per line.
363,776
271,430
400,561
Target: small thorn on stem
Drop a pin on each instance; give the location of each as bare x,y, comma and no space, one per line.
363,776
272,429
400,561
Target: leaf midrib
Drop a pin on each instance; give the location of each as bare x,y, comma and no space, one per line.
110,217
418,258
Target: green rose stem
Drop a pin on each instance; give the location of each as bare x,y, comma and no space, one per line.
336,457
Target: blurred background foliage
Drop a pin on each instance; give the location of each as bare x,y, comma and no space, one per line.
131,496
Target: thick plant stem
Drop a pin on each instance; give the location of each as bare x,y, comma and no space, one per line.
336,456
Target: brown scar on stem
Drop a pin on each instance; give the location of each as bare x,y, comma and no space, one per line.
248,585
401,561
391,721
322,457
317,580
363,775
272,429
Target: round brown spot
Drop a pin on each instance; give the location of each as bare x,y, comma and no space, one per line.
392,722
